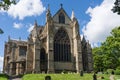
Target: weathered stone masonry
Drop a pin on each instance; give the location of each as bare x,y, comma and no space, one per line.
52,48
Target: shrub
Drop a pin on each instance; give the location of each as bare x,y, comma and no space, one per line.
21,75
109,71
117,71
118,67
64,72
4,76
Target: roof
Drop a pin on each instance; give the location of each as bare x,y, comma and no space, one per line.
62,10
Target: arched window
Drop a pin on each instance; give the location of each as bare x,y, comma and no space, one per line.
62,51
42,55
61,18
43,60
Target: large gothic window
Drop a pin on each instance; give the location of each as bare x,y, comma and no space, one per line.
62,51
61,18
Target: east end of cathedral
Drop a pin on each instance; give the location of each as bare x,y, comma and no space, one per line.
52,48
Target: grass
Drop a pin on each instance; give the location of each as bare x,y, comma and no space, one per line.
3,77
66,77
62,77
117,77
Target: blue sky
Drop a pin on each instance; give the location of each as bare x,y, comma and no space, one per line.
94,16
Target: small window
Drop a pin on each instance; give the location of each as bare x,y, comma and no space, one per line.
22,51
61,18
8,58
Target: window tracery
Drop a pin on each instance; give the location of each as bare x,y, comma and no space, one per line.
62,46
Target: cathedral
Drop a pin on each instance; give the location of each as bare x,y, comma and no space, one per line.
53,48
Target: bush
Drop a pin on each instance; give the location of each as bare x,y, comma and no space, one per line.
4,76
118,67
21,75
64,72
117,71
109,71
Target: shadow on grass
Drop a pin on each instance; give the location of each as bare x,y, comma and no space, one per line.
4,76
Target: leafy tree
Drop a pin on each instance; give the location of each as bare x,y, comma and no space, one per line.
108,54
98,59
116,8
4,4
113,44
1,31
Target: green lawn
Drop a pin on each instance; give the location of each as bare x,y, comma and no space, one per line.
66,77
3,77
62,77
117,77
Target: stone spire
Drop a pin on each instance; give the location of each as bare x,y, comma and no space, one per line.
84,42
72,15
48,14
88,44
48,10
61,5
9,38
19,38
35,23
34,32
83,39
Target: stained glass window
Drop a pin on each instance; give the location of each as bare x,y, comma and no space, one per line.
62,51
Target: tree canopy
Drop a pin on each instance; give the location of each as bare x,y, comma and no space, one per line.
1,31
107,56
116,8
4,4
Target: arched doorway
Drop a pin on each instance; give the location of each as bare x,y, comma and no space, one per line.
43,60
62,50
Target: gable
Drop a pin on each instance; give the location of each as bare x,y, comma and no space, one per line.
57,16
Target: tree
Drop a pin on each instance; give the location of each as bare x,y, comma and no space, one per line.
116,8
1,31
112,45
108,54
98,59
4,4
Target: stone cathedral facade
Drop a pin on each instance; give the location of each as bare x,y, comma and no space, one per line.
52,48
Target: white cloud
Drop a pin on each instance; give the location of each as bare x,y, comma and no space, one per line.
102,21
26,8
94,45
17,25
30,27
1,63
81,36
